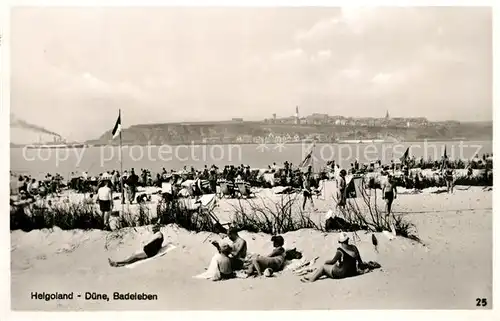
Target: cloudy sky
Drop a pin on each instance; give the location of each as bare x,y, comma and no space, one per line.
73,68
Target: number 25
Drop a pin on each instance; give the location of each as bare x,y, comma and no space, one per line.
481,302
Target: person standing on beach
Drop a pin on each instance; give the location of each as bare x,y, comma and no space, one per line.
105,199
124,178
389,193
341,190
306,185
132,182
448,175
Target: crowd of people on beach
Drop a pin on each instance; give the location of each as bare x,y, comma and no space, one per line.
236,180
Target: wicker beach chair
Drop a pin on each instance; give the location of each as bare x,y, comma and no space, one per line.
226,189
243,189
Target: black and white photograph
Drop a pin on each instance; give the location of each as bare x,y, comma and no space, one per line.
167,158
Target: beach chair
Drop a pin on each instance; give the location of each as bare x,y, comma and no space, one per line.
244,189
226,189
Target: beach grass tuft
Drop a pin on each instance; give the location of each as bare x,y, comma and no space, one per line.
272,217
363,213
66,216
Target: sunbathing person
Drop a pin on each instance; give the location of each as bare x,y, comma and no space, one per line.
343,265
273,261
149,250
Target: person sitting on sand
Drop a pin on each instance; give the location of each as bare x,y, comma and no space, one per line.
389,193
273,261
238,250
149,250
224,266
342,265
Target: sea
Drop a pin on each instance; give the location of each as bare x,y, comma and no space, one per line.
94,160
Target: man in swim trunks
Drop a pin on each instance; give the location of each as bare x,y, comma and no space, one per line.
307,191
389,193
149,250
105,199
341,190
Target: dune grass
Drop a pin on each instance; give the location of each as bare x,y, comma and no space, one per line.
363,213
266,216
259,215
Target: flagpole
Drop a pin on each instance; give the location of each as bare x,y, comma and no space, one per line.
121,163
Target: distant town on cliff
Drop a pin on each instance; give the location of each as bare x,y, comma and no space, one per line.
292,129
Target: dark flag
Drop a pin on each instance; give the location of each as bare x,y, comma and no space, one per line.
404,158
308,159
445,157
118,126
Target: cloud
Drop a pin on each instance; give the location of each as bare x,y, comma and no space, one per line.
320,29
350,73
288,55
381,78
172,64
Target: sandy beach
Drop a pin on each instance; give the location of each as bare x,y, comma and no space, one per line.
449,271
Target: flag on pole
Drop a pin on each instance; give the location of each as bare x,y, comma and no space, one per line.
308,160
405,156
118,126
445,157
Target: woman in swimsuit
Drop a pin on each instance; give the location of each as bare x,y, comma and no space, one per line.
274,261
149,250
343,265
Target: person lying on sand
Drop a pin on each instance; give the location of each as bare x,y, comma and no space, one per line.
343,265
149,250
273,261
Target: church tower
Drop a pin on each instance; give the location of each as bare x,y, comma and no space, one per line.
387,115
297,118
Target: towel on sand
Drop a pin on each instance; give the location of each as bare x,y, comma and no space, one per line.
164,250
212,271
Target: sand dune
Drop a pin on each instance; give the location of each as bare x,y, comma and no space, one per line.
456,230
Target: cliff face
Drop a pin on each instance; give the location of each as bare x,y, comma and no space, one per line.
254,132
